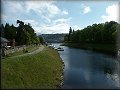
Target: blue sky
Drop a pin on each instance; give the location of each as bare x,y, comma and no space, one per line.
58,16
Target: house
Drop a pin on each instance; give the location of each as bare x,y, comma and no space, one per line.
3,46
4,42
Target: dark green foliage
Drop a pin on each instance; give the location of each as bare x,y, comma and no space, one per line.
70,32
66,38
41,39
9,32
23,34
97,33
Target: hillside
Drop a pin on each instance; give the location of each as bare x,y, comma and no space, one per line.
53,38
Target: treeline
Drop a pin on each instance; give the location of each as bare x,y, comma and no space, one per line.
24,34
96,33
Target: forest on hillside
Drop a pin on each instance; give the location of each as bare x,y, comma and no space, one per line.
96,33
24,34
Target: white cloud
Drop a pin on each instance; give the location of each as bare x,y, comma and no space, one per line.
57,26
65,12
44,9
86,9
53,9
112,13
76,27
62,20
32,22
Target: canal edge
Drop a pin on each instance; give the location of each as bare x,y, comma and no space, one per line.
62,75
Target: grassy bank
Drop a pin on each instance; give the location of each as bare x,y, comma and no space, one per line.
38,71
101,47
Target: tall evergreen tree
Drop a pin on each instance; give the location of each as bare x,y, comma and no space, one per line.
70,32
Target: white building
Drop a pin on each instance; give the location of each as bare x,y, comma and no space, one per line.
4,42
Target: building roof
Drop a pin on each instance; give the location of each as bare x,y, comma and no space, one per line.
3,39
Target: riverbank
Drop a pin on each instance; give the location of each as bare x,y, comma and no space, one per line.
105,48
36,71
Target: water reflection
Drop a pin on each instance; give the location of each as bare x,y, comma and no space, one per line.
88,69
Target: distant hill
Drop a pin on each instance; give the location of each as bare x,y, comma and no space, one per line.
53,38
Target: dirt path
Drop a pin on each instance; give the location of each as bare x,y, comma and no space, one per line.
34,52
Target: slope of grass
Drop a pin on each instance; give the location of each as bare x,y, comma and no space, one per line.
38,71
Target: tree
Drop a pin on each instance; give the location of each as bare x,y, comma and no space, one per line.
97,33
70,32
2,30
24,34
41,39
28,38
12,32
21,36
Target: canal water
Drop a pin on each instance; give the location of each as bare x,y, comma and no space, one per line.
85,69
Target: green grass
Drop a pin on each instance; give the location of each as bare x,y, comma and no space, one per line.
32,48
38,71
29,48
